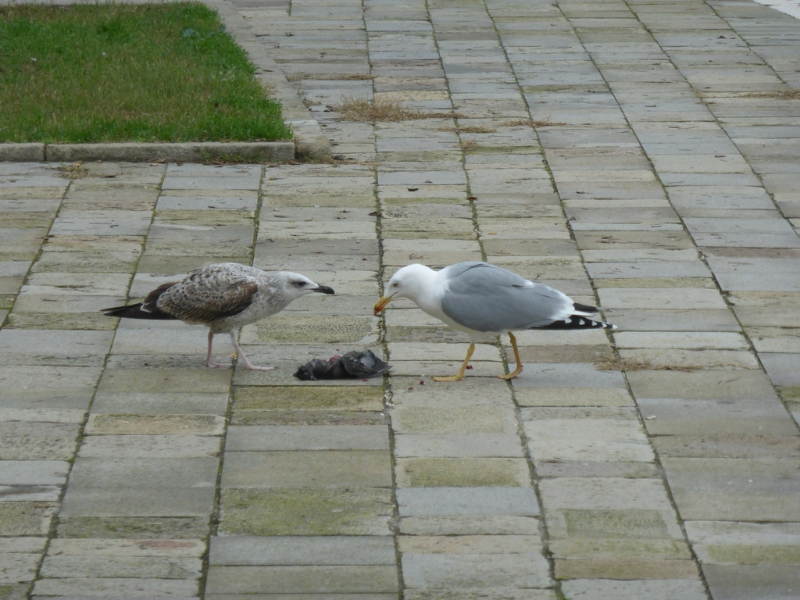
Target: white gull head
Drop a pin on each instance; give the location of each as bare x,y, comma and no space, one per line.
418,283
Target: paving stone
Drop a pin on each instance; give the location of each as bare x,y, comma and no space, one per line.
571,375
462,472
747,581
716,416
454,420
26,518
700,385
132,403
625,568
155,425
474,445
156,380
305,511
727,543
454,571
293,550
305,579
25,440
780,368
462,501
572,396
674,299
140,487
307,469
125,527
307,437
149,446
17,567
33,473
633,319
692,340
316,398
606,589
132,587
61,387
127,548
139,567
597,440
707,488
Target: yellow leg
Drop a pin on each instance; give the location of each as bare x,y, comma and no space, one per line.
516,357
460,375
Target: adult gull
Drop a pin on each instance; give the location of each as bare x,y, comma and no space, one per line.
484,301
223,297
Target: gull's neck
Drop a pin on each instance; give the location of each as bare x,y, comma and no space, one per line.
428,291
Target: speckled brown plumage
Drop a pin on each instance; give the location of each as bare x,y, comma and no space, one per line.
223,297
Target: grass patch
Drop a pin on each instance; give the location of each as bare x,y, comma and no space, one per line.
112,73
74,171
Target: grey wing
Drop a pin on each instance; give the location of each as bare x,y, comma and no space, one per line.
209,295
487,298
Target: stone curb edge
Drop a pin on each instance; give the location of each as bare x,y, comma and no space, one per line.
273,152
308,140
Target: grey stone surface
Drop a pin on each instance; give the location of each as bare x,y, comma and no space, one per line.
294,550
444,501
661,148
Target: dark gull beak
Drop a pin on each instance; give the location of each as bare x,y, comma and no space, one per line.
323,289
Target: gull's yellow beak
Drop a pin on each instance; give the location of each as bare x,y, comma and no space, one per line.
381,304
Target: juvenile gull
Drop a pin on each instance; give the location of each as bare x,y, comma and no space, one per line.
223,297
484,301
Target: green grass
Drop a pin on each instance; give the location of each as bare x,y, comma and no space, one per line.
114,73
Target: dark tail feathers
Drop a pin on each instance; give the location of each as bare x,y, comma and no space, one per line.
134,311
142,310
578,322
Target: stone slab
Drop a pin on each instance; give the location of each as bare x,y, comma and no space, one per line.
306,437
305,511
302,579
333,468
297,550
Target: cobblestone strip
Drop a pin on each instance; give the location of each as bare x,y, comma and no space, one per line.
135,516
307,499
469,512
736,484
612,531
713,417
37,435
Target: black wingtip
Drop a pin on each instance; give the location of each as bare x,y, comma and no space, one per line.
134,311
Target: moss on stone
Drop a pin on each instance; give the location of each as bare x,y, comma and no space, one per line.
305,511
210,217
134,527
25,518
301,417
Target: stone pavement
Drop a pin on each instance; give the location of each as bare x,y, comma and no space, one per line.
641,154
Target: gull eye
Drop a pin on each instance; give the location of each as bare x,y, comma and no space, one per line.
299,283
395,284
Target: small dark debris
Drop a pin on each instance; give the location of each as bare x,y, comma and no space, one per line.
351,365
